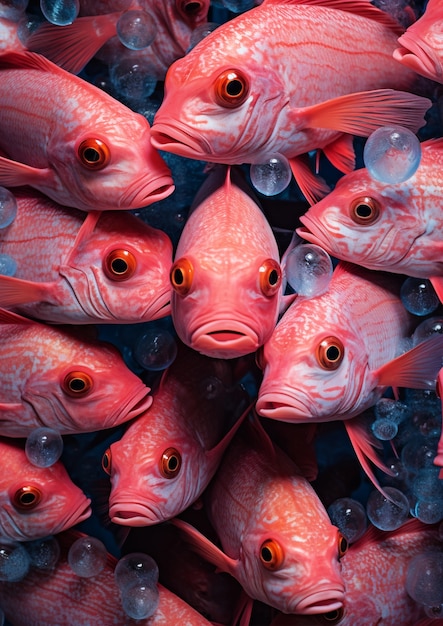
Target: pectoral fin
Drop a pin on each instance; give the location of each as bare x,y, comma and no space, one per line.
14,291
15,174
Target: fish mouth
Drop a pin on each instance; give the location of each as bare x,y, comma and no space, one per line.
418,56
178,140
139,194
131,514
233,340
136,404
158,309
324,601
82,513
283,407
313,233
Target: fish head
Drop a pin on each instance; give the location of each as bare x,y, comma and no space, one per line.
222,103
421,45
109,164
315,365
224,307
366,222
83,385
123,260
40,502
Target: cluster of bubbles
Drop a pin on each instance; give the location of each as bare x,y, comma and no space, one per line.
17,558
136,576
8,212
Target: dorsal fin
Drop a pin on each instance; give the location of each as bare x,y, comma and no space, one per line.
358,7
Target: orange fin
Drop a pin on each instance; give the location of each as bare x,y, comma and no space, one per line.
15,291
341,153
313,187
73,46
15,174
437,283
417,368
205,548
363,112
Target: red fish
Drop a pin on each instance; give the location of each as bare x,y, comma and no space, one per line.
50,377
227,280
374,570
392,227
262,83
168,455
36,502
94,34
106,266
59,597
422,44
73,141
277,539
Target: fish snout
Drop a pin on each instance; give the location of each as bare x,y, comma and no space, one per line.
125,511
322,601
225,340
280,406
415,54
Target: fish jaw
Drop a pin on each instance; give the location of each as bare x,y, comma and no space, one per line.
226,340
142,193
417,55
282,406
172,136
129,511
328,599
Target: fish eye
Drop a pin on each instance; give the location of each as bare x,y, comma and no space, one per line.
189,8
77,384
94,154
181,276
119,264
270,277
106,461
170,463
231,88
27,498
330,353
342,545
271,554
364,210
335,616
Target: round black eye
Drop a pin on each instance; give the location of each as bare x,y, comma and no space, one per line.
119,264
364,210
342,545
181,276
77,384
106,461
330,353
271,554
170,463
94,154
231,88
27,498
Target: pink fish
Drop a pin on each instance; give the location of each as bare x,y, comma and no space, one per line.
73,141
392,227
277,539
59,597
374,570
168,455
227,280
51,377
333,356
36,502
421,46
106,266
94,33
9,41
262,84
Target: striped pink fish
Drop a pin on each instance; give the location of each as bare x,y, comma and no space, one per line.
72,141
36,502
288,76
99,267
52,377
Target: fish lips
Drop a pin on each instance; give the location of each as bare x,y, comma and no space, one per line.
127,512
232,340
144,193
321,601
282,406
418,56
176,138
313,233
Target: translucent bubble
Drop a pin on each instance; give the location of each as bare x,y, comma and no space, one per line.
423,578
350,518
131,78
429,511
8,207
434,611
418,296
136,568
14,562
429,327
43,553
27,25
238,6
392,154
136,29
272,176
392,410
140,601
60,12
384,429
387,514
200,33
87,557
155,349
8,265
44,446
212,388
308,269
419,453
427,485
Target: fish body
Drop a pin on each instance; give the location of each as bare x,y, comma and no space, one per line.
402,227
276,536
72,141
229,301
332,356
72,267
168,455
421,45
58,596
36,502
287,77
51,377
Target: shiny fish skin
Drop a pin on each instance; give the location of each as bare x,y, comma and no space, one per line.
64,274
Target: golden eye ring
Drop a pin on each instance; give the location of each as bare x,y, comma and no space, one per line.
77,384
364,210
231,88
93,154
170,463
330,353
270,277
27,498
271,554
119,264
181,276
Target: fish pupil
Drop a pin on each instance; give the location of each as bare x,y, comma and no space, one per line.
363,211
91,155
178,277
266,554
234,87
172,463
27,498
77,384
332,353
119,266
191,8
273,277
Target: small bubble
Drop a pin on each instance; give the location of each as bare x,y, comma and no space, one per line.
44,446
272,176
392,154
87,557
349,516
308,270
136,29
386,514
155,349
60,12
136,568
14,562
8,207
8,265
200,33
423,578
418,296
44,553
